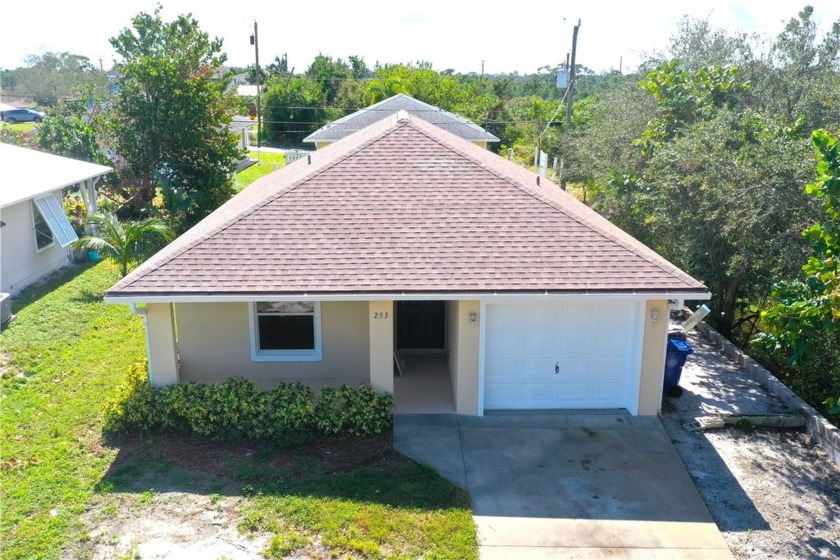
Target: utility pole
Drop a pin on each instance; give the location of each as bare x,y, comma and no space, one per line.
570,100
482,68
570,92
255,40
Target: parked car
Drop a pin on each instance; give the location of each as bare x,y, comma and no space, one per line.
22,115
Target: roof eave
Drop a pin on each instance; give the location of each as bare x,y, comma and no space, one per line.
408,295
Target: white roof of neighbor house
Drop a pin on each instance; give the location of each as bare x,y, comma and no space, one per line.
26,173
246,90
6,107
348,124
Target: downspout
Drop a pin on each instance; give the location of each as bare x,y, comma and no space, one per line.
142,312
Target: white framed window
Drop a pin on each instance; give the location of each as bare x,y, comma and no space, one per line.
51,224
43,234
285,331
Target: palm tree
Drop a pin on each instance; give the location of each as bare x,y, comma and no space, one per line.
126,244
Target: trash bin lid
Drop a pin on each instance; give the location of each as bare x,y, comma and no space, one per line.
679,346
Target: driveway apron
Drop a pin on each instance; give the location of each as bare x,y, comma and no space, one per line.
568,486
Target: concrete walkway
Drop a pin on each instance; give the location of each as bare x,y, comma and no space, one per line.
567,486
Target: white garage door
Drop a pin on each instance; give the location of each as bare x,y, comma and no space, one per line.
562,355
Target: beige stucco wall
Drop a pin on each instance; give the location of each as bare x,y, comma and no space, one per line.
319,145
653,358
214,344
452,344
20,261
381,329
462,342
161,344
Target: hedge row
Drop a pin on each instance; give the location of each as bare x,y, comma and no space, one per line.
236,409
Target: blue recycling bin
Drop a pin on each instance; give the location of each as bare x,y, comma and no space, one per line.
675,356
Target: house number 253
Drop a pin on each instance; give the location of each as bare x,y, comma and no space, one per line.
380,315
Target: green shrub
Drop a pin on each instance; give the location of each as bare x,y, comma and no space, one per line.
236,409
288,413
133,406
331,412
368,412
360,411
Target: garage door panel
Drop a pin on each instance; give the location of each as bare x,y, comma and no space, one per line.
613,314
576,314
500,368
503,392
614,343
593,345
505,342
506,314
541,315
610,368
577,342
540,342
539,392
572,393
577,368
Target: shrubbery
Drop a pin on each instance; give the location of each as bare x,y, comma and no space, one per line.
236,409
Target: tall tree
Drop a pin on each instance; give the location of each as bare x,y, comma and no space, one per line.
717,188
172,112
52,77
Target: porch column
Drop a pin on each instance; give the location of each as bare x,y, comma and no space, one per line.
161,345
465,382
653,357
381,320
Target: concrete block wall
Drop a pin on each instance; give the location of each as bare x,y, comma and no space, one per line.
825,433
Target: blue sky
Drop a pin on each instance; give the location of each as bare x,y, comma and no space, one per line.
508,36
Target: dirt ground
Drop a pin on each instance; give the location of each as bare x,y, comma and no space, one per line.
774,493
176,498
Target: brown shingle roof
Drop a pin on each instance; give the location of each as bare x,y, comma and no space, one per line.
403,206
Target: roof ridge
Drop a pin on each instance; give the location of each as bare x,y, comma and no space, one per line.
155,263
640,249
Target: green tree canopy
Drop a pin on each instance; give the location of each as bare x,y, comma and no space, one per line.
52,77
172,112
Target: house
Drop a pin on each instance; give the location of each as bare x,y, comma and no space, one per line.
488,287
241,126
354,122
35,234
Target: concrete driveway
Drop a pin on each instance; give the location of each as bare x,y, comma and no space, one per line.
567,486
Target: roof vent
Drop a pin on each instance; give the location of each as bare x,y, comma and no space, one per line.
402,116
538,180
309,161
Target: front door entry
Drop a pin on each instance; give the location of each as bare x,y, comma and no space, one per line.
421,324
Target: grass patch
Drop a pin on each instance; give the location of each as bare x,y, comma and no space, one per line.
62,483
21,127
350,497
268,161
67,350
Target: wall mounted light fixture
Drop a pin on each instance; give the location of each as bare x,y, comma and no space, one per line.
473,316
654,315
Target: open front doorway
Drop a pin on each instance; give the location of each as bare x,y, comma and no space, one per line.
421,325
422,382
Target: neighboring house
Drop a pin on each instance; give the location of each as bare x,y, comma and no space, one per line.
404,236
247,90
241,126
35,234
354,122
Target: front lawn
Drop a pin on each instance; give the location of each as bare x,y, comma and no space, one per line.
64,488
67,350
